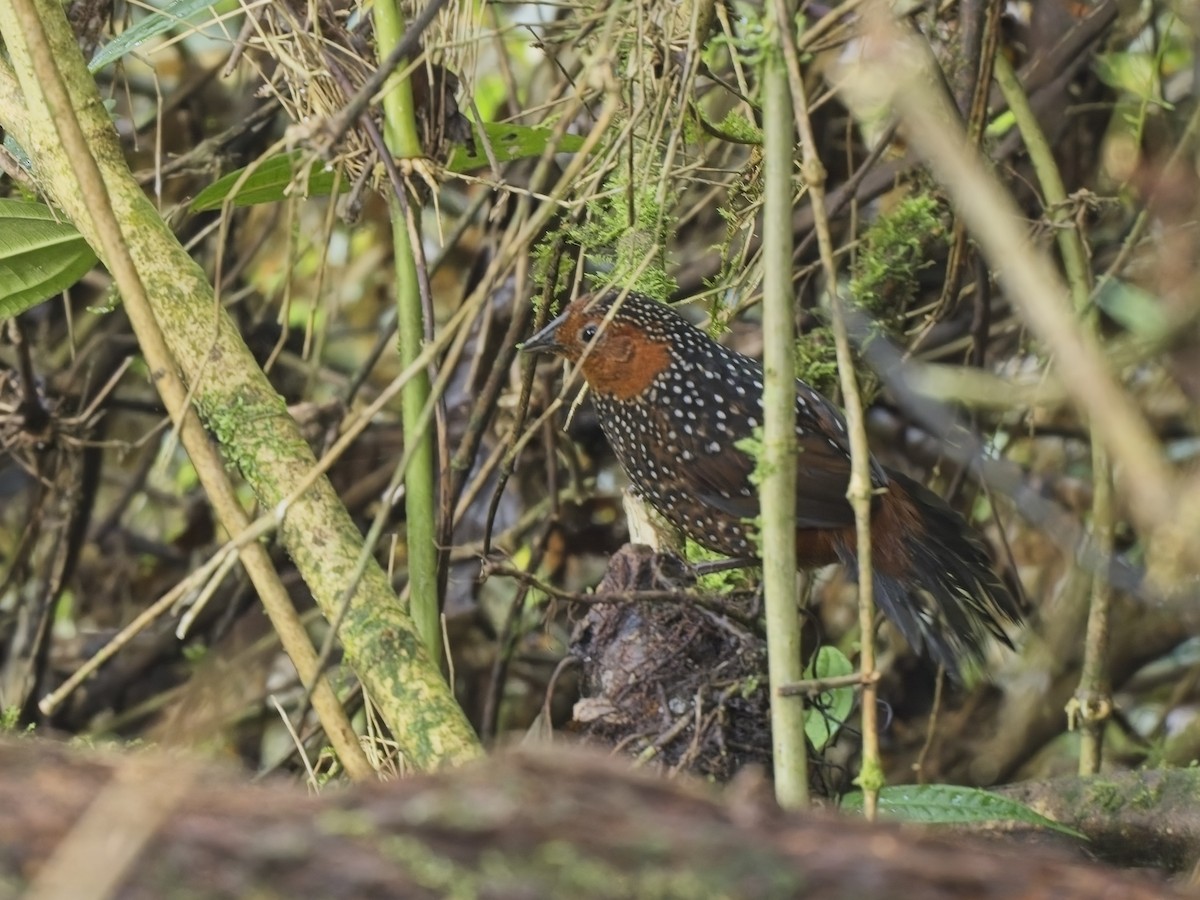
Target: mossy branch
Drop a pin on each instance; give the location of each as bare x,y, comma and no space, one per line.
231,393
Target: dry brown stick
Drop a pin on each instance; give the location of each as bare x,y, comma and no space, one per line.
713,605
894,70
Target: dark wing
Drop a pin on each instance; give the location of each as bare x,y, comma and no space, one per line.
722,478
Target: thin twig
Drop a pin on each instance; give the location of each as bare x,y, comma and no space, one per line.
812,686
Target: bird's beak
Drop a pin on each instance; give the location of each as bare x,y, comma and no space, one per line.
545,341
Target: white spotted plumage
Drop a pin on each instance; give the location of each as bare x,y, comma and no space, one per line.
675,406
659,434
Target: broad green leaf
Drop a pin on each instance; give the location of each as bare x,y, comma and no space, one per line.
170,16
948,804
39,256
827,711
272,177
268,183
510,142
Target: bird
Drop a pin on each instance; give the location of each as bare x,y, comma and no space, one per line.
675,405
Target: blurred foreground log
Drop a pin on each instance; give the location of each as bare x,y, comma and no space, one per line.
541,825
547,824
1144,818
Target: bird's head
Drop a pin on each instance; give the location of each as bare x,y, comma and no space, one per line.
620,345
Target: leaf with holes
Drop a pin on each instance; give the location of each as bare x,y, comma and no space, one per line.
40,255
828,710
948,804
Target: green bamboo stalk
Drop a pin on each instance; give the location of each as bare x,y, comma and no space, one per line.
859,489
420,483
778,461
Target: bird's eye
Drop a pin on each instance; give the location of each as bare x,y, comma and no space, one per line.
587,332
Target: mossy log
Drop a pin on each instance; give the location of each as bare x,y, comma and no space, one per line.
553,823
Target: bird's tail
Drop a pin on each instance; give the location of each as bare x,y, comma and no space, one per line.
933,578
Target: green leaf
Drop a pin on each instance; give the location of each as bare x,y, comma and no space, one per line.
1136,73
268,183
948,804
510,142
170,16
272,177
40,256
827,712
1133,308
